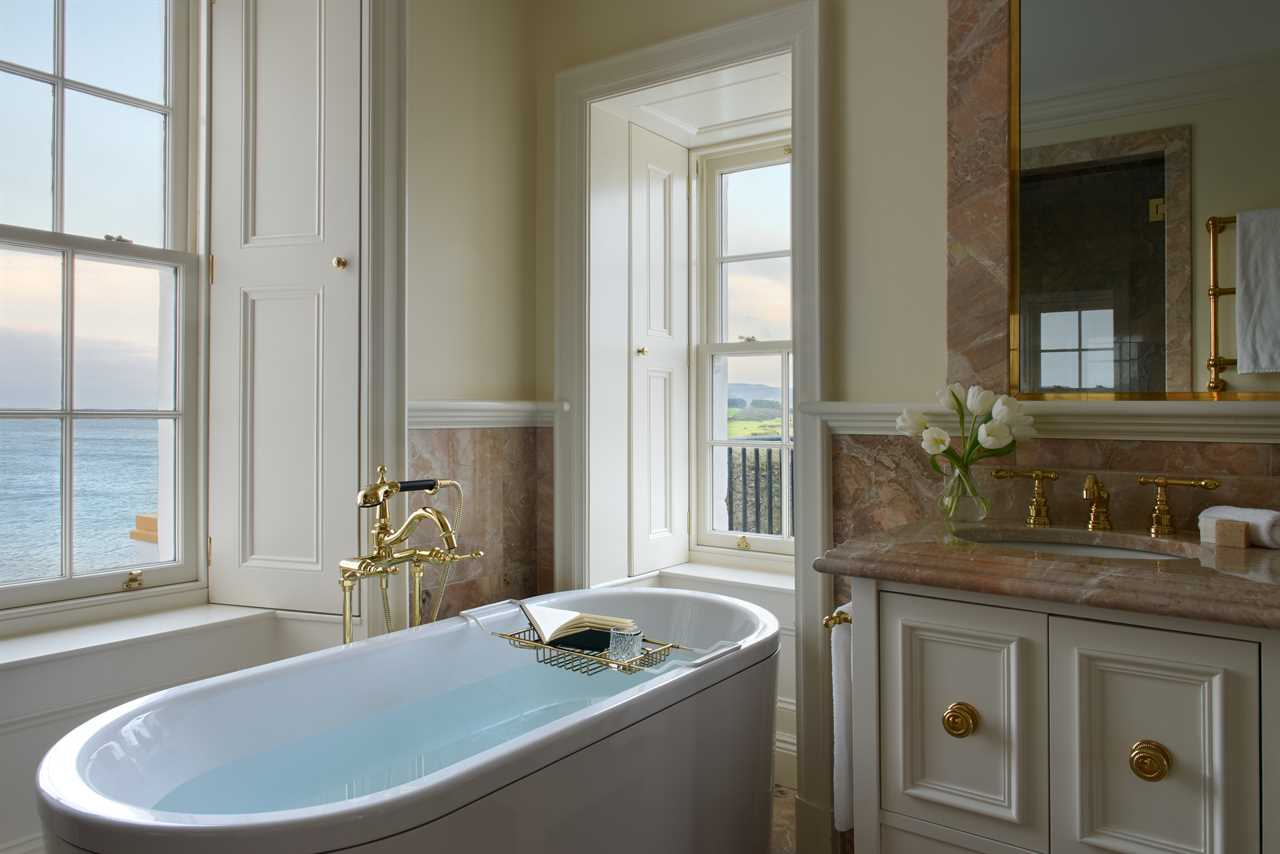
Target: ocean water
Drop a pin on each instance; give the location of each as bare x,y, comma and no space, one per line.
115,474
388,747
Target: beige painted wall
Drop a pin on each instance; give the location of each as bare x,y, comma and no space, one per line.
469,175
481,133
1233,168
884,138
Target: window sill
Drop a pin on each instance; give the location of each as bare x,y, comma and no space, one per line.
756,579
44,646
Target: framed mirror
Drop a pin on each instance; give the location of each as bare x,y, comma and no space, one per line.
1132,125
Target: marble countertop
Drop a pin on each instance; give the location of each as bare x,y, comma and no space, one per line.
1238,586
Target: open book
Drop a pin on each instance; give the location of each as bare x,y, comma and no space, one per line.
552,624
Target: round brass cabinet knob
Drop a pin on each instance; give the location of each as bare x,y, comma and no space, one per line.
960,720
642,351
1150,761
339,263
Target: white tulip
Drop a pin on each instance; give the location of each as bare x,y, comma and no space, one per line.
1008,410
911,423
935,440
994,435
979,400
952,397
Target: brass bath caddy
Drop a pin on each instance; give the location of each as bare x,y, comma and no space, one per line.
584,661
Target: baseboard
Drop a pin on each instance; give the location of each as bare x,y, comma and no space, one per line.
33,844
784,760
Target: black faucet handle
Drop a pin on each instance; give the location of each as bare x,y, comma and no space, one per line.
429,484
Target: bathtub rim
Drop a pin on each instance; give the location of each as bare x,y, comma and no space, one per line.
75,812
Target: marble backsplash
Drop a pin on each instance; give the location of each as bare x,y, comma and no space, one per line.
507,473
881,482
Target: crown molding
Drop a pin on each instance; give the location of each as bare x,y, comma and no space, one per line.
1249,421
463,414
1144,96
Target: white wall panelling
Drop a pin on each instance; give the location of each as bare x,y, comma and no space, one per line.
1166,420
459,414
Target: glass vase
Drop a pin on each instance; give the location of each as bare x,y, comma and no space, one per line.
960,500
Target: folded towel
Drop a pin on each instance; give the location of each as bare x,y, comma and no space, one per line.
1264,525
1258,291
842,703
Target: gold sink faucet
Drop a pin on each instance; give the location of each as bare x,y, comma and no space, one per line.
385,561
1161,517
1038,507
1099,499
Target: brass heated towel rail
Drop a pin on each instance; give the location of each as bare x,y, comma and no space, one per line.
1215,225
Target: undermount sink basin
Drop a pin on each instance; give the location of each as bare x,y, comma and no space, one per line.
1077,549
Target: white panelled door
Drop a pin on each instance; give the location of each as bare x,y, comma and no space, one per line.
285,300
660,352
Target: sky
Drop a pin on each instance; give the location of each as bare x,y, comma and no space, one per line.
757,214
113,183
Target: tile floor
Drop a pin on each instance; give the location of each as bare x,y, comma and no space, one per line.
784,821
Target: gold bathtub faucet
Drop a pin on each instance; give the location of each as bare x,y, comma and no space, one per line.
1161,516
384,561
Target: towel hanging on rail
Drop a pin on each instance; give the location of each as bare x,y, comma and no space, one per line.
1258,291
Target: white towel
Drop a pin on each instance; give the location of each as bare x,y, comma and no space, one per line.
1264,525
1258,291
842,710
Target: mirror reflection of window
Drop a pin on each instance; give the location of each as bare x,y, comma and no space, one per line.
1077,350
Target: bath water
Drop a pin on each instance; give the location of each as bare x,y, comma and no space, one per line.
396,745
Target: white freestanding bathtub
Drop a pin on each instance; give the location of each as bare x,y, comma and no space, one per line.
442,739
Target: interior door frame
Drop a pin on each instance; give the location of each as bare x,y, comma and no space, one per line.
794,29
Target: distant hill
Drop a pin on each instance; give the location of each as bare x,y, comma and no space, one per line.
755,391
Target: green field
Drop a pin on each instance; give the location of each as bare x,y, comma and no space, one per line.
752,423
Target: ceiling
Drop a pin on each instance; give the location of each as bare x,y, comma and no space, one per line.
1073,46
719,106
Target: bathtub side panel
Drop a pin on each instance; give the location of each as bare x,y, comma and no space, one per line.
695,777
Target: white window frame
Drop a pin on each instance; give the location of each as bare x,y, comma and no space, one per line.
176,254
710,165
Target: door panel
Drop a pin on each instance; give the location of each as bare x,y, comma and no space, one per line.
992,781
659,178
1196,697
284,366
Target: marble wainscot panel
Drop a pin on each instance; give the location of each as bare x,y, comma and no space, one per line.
507,512
978,200
883,482
1239,586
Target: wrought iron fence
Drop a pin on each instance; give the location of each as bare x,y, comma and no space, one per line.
754,499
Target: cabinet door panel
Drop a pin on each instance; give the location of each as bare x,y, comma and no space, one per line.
992,782
1197,698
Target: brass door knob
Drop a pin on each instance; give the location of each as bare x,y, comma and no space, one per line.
339,263
960,720
642,351
1150,760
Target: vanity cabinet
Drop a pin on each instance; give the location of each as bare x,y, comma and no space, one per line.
1006,729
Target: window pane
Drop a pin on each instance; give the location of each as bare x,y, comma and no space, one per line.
746,394
746,490
757,296
1059,330
124,335
1099,369
30,499
757,210
1060,370
114,170
118,45
30,329
122,506
26,33
26,152
1097,327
